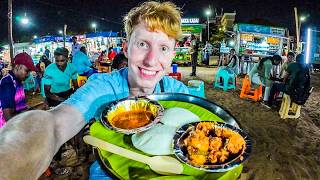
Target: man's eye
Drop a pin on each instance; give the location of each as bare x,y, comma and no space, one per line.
164,49
142,44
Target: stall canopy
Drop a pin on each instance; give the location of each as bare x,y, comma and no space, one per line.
52,38
260,29
102,34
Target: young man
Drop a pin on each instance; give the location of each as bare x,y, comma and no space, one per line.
12,97
194,54
263,69
57,77
284,67
75,46
290,76
152,29
233,63
82,63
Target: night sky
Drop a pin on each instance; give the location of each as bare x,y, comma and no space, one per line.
48,16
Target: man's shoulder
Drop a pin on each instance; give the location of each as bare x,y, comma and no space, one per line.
6,81
293,66
51,67
173,84
115,76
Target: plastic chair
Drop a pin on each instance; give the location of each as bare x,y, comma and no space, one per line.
43,94
248,93
81,80
176,75
288,108
196,88
228,79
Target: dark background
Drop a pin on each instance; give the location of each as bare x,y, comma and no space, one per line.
48,16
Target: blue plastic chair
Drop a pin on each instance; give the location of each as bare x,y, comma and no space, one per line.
96,173
196,88
42,89
228,78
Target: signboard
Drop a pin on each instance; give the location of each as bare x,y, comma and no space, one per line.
50,39
196,28
261,29
190,20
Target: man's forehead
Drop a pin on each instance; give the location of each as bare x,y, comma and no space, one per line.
142,31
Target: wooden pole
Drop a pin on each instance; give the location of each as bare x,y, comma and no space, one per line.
297,28
64,35
10,38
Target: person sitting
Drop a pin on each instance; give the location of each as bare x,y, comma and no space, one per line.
263,69
233,62
111,54
152,29
82,63
284,67
12,97
119,61
102,57
291,76
57,78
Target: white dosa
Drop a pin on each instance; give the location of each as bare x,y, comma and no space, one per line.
158,139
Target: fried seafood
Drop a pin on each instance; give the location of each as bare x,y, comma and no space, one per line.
209,144
198,140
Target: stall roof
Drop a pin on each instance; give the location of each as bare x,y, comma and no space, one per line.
102,34
52,38
260,29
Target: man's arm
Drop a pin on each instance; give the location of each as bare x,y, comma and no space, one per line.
8,113
50,95
29,141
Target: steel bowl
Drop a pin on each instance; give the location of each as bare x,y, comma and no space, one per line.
119,114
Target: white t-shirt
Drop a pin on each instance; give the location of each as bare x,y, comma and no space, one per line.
75,48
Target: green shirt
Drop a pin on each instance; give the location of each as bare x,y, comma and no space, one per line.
293,70
284,68
264,73
59,80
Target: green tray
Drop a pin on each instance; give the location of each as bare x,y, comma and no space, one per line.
123,168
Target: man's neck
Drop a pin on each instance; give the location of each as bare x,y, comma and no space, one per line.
140,91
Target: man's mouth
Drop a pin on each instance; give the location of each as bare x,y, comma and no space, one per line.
147,73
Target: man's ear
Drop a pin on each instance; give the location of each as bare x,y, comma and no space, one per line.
125,50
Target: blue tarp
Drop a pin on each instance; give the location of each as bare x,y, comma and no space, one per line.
102,34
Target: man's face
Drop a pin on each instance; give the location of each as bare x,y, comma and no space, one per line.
61,60
232,52
290,58
22,72
149,54
74,40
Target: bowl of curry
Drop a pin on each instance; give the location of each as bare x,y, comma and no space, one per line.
132,115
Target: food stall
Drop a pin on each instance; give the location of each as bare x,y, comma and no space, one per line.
101,41
189,26
258,40
39,45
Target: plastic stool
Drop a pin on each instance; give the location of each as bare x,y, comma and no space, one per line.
42,92
289,109
248,93
196,88
97,173
176,75
81,80
226,77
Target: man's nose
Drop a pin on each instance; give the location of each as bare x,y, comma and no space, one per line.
152,57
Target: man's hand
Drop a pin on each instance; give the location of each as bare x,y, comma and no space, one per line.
29,140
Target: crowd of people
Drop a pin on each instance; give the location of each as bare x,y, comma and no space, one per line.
152,29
